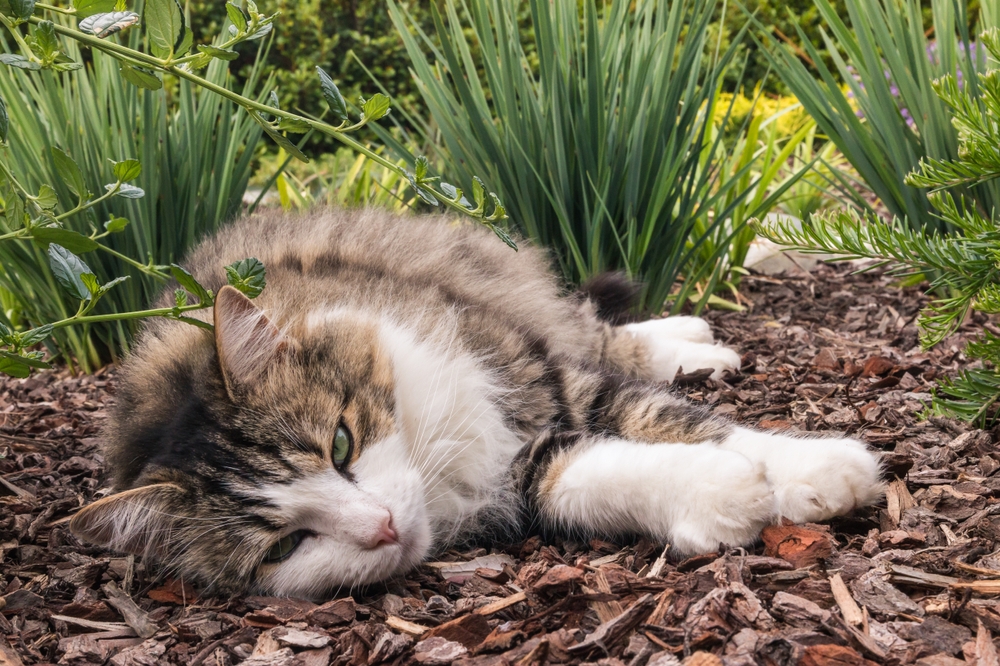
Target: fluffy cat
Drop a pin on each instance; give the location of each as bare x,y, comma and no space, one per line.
403,383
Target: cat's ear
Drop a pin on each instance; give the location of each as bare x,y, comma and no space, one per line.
137,521
245,339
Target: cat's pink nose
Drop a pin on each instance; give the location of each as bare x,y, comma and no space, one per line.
386,533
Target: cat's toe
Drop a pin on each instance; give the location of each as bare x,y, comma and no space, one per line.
731,510
839,476
690,329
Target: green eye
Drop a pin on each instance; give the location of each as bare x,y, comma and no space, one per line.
285,546
342,445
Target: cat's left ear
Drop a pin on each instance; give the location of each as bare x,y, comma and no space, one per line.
247,341
137,521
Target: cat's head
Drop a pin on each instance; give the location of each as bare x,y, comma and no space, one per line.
263,459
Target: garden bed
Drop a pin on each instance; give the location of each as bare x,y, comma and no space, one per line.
913,578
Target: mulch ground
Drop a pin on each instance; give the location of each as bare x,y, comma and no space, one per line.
914,579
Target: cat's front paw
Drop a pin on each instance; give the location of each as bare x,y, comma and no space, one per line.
729,502
683,344
813,479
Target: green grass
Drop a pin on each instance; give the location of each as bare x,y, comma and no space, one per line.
603,149
886,46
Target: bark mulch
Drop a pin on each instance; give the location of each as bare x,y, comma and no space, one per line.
915,579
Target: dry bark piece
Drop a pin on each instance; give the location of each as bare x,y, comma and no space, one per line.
802,546
702,659
832,655
438,651
389,646
333,613
558,577
298,638
405,626
134,616
609,633
469,630
797,611
849,609
283,657
7,655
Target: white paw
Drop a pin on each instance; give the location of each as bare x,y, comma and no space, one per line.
692,329
813,479
677,343
729,502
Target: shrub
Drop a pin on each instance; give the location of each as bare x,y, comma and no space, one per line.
963,263
606,151
889,118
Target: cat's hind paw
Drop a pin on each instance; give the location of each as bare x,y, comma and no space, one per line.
678,344
690,329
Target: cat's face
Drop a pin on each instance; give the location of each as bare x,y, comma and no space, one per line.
287,472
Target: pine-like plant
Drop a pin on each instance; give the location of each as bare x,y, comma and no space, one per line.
963,266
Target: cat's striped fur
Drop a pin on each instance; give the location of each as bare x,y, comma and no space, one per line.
479,396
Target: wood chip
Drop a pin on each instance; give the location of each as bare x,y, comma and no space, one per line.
497,606
849,609
134,616
405,626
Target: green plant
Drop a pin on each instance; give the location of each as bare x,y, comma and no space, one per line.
889,118
197,150
29,210
963,263
604,151
340,179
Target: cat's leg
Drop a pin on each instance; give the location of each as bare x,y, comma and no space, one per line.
660,348
696,496
813,478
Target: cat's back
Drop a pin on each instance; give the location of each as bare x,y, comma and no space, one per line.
405,267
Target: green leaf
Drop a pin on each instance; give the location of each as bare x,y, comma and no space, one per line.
22,9
140,78
164,26
68,269
92,284
13,365
247,275
46,198
180,298
115,224
71,240
127,170
376,107
35,335
216,52
455,194
108,286
70,172
127,191
293,125
4,121
478,192
85,8
13,206
103,25
283,141
187,281
420,168
236,17
6,335
502,235
67,66
46,40
424,194
332,95
19,61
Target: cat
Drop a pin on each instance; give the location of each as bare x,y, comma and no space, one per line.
402,384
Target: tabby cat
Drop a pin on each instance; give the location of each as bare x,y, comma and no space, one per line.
404,384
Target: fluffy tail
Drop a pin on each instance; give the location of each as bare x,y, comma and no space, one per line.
613,295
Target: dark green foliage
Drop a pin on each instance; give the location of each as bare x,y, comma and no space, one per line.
325,33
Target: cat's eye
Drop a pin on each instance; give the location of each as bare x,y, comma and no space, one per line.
343,442
284,547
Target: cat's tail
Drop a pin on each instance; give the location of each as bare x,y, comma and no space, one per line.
614,296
